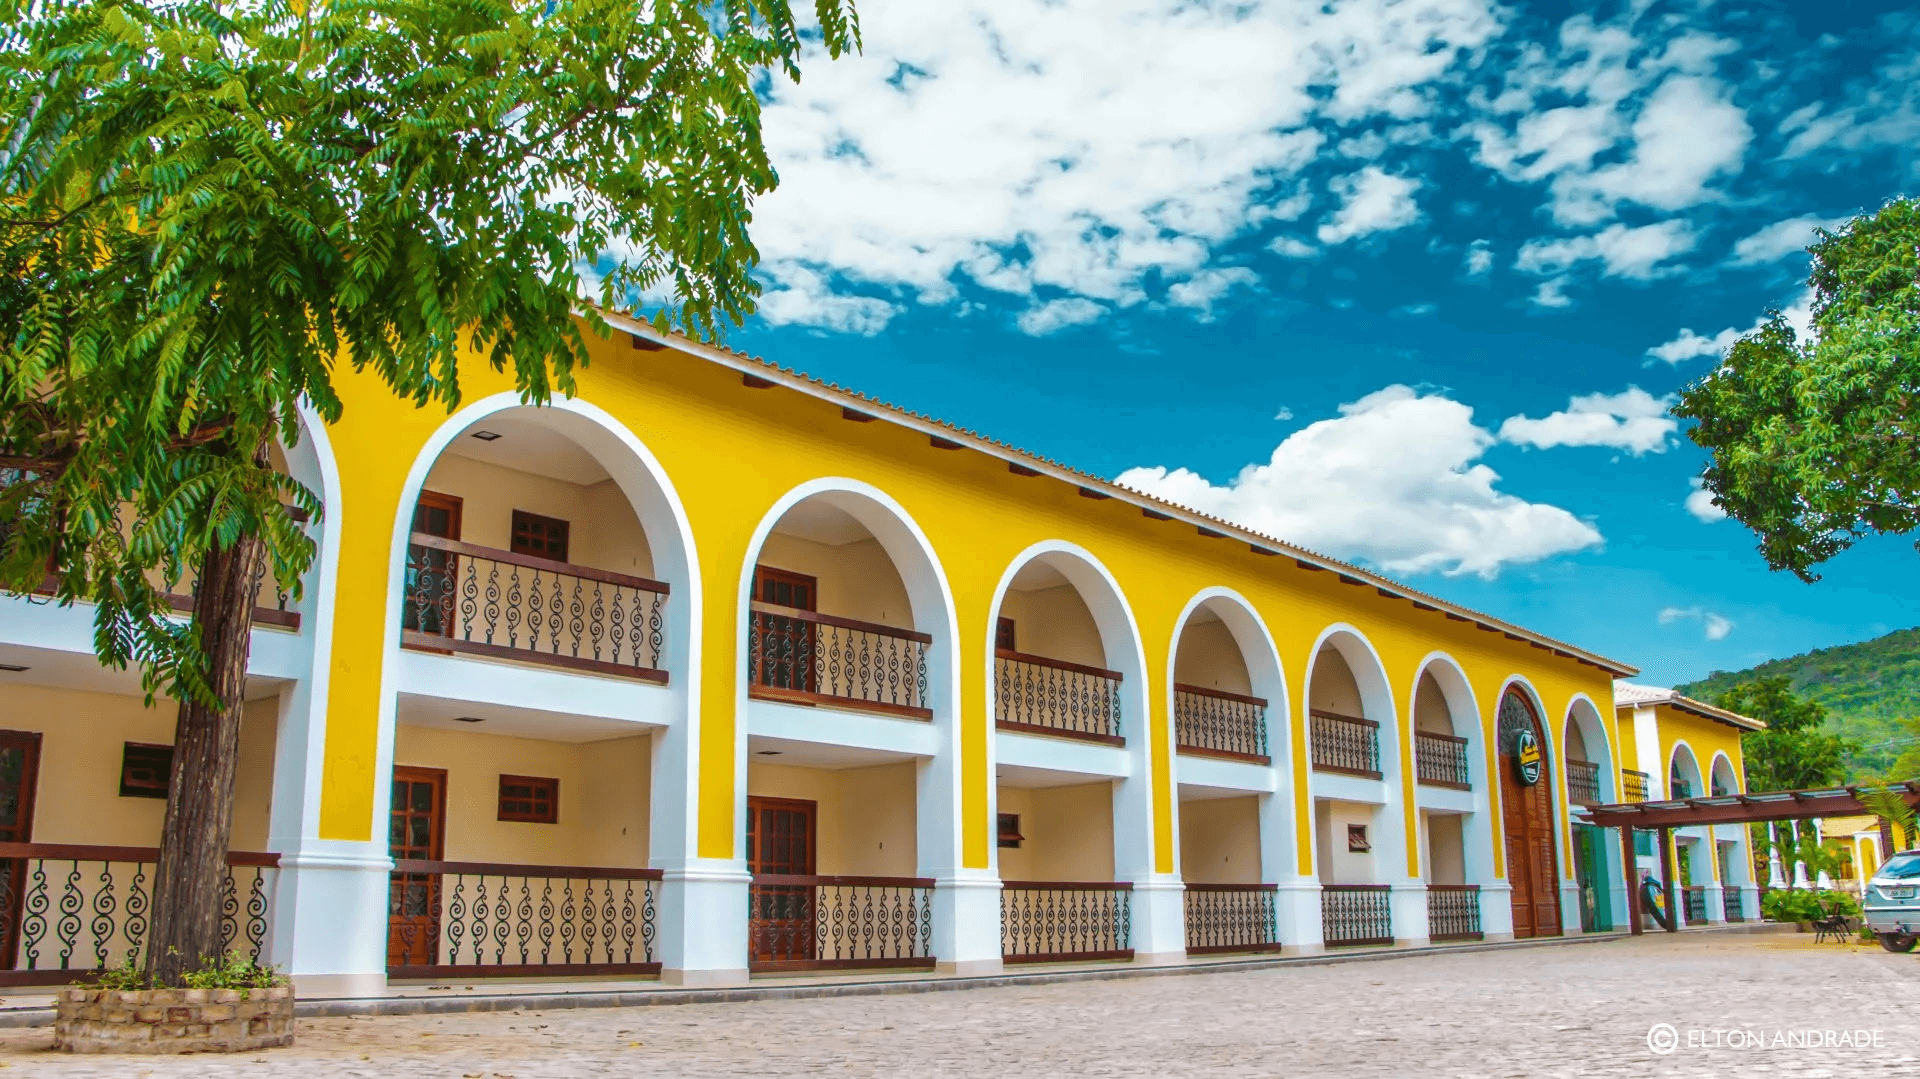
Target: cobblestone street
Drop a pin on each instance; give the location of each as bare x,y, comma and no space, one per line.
1579,1010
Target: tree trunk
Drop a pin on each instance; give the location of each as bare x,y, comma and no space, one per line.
190,882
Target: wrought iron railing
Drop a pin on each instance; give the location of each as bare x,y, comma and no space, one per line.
465,598
1732,899
1440,760
481,919
1216,722
1453,912
1347,744
1678,788
1051,696
67,911
834,923
1056,921
1352,914
808,658
1633,785
1696,904
280,613
1232,918
1583,782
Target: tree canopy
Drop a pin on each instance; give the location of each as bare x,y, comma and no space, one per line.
1813,437
1796,751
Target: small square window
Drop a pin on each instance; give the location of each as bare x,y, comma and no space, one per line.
1010,830
1004,637
530,799
541,537
145,770
1357,839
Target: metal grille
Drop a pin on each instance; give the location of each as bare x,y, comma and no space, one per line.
1057,697
1356,914
1583,782
1049,921
1453,911
1696,904
464,598
1214,721
480,918
1346,744
1231,918
812,922
821,658
1634,784
1731,900
1441,760
83,909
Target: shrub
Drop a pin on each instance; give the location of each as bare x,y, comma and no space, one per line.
231,971
1802,905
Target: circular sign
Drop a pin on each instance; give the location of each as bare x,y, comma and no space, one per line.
1526,757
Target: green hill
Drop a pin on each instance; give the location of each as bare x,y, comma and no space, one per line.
1869,689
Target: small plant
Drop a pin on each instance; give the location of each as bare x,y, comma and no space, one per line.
1802,905
231,971
126,977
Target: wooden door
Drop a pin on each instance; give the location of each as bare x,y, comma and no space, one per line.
19,769
783,648
433,576
1527,815
416,830
780,841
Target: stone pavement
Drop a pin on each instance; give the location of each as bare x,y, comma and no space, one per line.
1561,1011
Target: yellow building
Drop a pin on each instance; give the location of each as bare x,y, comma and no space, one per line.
714,670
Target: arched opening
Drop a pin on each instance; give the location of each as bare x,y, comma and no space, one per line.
1359,844
1733,870
1455,841
1527,812
1590,781
1693,853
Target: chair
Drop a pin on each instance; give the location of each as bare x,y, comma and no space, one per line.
1832,924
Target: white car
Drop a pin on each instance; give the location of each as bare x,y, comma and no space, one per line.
1890,906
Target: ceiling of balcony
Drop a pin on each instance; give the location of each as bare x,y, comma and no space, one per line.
529,446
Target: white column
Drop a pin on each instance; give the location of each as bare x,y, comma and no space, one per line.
1159,899
966,902
703,901
1407,899
1297,895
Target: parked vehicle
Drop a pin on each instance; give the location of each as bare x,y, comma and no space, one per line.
1891,905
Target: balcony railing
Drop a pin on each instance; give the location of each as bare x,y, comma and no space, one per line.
1346,744
1583,782
1354,914
1453,912
1440,760
1696,904
279,614
1232,918
1220,724
481,601
483,919
1051,696
68,911
1058,921
839,923
1731,900
1634,784
806,658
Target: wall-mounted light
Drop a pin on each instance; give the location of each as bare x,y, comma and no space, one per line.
13,668
766,752
486,436
469,719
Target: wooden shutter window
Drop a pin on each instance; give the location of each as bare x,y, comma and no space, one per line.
145,770
540,537
785,588
531,799
1010,830
1004,637
438,515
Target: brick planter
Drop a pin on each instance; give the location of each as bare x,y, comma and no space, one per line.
172,1020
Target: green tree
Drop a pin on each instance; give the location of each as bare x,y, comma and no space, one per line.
1795,751
1813,440
206,208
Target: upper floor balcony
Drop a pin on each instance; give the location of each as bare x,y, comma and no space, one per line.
1052,672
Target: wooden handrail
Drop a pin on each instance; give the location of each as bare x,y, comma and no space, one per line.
1233,887
498,869
799,615
1058,664
1202,691
1356,887
1453,887
803,880
1324,714
1068,885
474,550
1437,736
81,852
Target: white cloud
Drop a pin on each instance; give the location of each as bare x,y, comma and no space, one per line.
1700,503
1716,626
1552,294
1780,239
1394,480
1284,414
804,297
1201,290
1686,136
1371,201
1289,247
1638,254
1055,315
1632,420
1688,344
1479,258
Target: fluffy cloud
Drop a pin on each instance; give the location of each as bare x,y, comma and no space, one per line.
1370,201
1716,626
1394,480
1700,503
1479,259
1201,290
1632,420
1054,315
1686,136
1780,239
1638,254
1688,344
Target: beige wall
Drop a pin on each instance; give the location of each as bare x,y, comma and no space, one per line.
1209,657
603,532
604,792
1220,841
1576,748
1334,689
864,817
1337,864
857,580
82,739
1068,830
1446,857
1055,623
1430,711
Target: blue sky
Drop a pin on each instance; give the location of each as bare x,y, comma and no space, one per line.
1405,281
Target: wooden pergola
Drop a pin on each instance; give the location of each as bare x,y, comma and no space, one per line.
1773,806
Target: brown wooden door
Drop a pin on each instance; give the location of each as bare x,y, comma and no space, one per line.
783,648
19,770
1527,818
416,829
433,576
780,840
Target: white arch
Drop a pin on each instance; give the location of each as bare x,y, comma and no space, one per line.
1584,714
1463,709
1684,760
1555,773
1722,768
1376,703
